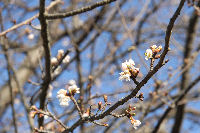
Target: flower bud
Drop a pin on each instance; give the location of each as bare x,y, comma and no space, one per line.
105,97
54,61
133,114
60,54
66,59
31,36
99,105
134,108
106,125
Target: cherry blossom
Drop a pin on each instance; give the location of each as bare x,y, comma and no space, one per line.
134,122
148,54
128,70
63,97
66,59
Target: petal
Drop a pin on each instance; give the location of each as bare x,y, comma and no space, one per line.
124,66
131,62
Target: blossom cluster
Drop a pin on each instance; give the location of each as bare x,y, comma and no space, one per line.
151,53
134,122
64,94
128,67
60,54
129,70
55,61
130,115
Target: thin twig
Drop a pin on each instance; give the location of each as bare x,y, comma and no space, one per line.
100,124
77,106
78,11
54,117
144,81
118,116
151,65
42,131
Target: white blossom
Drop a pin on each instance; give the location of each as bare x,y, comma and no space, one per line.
131,62
46,116
128,70
153,47
73,89
152,51
156,49
57,71
128,64
63,98
61,52
66,59
160,47
135,123
85,114
125,75
64,95
148,54
31,36
54,61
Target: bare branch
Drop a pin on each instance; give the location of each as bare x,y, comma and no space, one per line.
46,46
78,11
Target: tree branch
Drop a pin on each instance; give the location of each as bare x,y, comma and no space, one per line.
78,11
47,78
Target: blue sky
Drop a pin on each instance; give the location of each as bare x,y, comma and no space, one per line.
108,83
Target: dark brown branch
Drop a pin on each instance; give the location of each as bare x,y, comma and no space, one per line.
78,11
134,80
144,81
167,38
48,113
120,102
47,78
169,30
